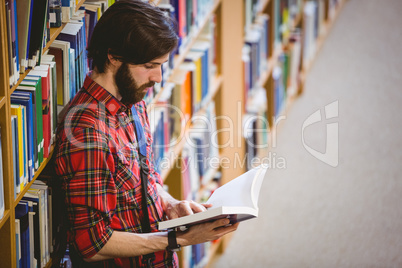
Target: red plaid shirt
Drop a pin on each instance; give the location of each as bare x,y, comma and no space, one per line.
98,161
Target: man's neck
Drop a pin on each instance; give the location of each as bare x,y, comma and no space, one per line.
106,80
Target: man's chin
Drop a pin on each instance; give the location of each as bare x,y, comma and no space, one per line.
129,101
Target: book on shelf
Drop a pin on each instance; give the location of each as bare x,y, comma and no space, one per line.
102,3
206,62
31,215
74,33
250,13
93,11
181,96
195,57
22,213
25,99
37,31
73,77
61,52
16,166
28,211
11,38
49,59
24,21
39,80
36,243
40,186
43,71
160,133
190,173
35,88
200,156
16,110
67,7
293,49
255,53
18,243
40,225
189,17
55,13
47,101
256,127
236,200
1,180
279,90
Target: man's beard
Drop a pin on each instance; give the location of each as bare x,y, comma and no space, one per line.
128,88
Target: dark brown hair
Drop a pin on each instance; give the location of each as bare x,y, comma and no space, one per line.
132,31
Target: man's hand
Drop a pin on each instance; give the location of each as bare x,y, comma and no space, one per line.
174,208
205,232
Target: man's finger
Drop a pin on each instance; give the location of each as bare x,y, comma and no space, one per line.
197,207
185,209
206,205
225,230
220,223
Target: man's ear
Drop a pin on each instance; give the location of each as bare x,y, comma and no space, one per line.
113,60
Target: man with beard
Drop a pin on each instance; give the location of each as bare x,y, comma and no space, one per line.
114,196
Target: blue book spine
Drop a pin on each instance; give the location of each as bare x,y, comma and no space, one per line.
21,213
205,75
37,237
73,75
65,3
14,130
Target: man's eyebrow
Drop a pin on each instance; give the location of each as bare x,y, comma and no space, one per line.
158,63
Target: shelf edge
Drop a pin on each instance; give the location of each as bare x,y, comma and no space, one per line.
6,216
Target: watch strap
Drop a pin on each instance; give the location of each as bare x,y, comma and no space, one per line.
172,241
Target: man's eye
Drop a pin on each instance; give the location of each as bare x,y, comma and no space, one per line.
149,66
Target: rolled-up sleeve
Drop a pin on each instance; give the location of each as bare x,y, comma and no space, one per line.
86,165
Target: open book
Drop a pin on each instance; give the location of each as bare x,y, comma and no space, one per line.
236,200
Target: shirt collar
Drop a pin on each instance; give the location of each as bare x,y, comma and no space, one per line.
112,104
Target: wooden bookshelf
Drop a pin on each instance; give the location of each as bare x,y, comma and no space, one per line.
6,216
272,62
79,3
54,32
263,5
22,76
3,100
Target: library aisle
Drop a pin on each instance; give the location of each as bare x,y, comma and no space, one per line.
316,215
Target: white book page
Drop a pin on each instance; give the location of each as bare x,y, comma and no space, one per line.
238,192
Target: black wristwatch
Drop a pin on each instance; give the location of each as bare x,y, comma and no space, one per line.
172,246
